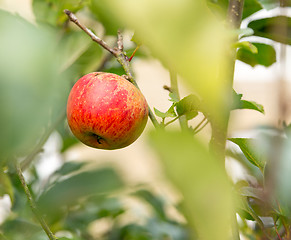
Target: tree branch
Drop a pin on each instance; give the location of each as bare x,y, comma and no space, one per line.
96,39
32,204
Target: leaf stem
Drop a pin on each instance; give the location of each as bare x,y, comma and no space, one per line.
203,126
32,204
173,120
174,89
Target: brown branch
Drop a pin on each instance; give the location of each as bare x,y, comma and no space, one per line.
96,39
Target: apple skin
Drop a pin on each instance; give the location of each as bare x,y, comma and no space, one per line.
106,111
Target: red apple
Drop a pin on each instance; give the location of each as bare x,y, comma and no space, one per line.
106,111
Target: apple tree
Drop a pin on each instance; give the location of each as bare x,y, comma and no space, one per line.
198,42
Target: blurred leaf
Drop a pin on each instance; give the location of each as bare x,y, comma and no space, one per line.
218,6
250,7
6,186
173,97
69,167
154,201
51,11
73,45
253,192
89,61
71,190
202,181
247,146
30,95
136,40
275,28
102,14
246,45
169,113
266,55
244,32
186,37
282,177
270,4
188,106
19,229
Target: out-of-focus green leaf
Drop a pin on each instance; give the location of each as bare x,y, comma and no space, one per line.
6,186
73,45
266,55
202,181
283,177
136,40
248,147
188,106
275,28
31,88
69,167
51,11
19,229
252,192
76,187
89,61
103,14
186,37
244,32
250,7
247,46
218,6
270,4
154,201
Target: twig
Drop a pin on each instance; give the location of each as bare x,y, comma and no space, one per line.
204,119
203,126
173,120
33,204
119,41
96,39
117,52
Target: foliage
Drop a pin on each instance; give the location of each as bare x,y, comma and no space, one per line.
40,62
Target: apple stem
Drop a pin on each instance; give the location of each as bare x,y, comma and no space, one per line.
116,52
32,204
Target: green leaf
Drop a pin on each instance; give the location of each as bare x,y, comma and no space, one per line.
275,28
247,146
89,61
35,90
252,105
244,32
247,46
169,113
173,97
271,4
253,192
202,181
51,11
106,18
73,45
250,7
6,186
154,201
136,40
71,190
188,106
266,55
238,103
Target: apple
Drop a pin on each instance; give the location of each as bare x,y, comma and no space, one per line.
106,111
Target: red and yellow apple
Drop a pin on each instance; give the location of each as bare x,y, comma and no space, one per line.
106,111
